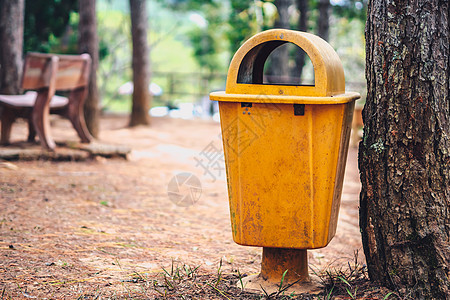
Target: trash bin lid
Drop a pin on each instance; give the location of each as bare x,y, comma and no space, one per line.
245,74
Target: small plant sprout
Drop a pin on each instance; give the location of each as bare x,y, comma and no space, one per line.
219,273
240,280
352,295
282,280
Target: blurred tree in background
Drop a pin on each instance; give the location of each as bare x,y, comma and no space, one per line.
323,22
88,43
141,64
302,25
11,32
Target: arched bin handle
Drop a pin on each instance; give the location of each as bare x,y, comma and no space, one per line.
247,66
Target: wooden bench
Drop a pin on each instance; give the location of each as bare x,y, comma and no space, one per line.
43,75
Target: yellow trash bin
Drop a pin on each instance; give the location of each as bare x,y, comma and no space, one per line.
285,145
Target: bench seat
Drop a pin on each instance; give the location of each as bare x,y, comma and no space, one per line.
29,99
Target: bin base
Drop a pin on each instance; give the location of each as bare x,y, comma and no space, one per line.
285,267
256,284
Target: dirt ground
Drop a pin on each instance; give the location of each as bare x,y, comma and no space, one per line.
75,230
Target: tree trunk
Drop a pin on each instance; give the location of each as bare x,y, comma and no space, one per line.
88,43
11,37
279,59
323,24
404,158
302,25
141,64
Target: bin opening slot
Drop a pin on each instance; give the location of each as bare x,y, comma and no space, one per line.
251,69
299,109
246,104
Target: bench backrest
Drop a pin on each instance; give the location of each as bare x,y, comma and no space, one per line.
38,71
72,71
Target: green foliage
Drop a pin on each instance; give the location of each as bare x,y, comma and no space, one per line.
187,5
68,42
351,9
115,52
170,51
207,41
242,24
346,9
205,47
247,18
207,35
45,22
347,37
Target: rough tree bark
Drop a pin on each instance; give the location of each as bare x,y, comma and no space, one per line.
88,43
141,64
323,24
404,158
279,59
11,37
302,25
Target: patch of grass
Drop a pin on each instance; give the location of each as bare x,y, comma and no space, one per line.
183,281
352,282
280,294
177,278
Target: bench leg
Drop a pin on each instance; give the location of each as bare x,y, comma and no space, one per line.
31,131
8,117
75,114
40,118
